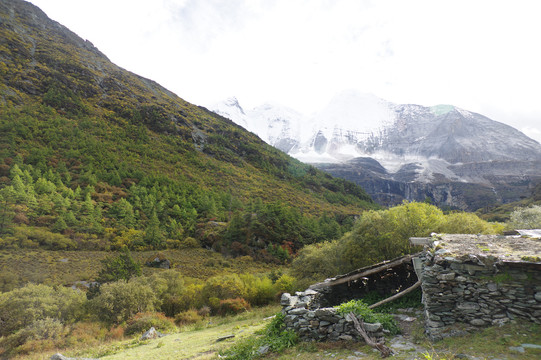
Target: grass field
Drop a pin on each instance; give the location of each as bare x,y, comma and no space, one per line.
18,267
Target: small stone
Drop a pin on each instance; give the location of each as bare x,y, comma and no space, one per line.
446,277
492,287
519,349
477,322
372,327
346,337
299,311
537,296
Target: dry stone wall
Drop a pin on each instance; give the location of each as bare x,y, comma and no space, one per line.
312,323
460,293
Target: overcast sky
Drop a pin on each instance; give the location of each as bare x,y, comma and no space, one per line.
483,56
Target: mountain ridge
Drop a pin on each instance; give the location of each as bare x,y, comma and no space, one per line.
96,156
414,144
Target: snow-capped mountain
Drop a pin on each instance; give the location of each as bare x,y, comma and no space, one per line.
410,145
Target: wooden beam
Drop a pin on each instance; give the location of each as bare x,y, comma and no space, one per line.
380,346
396,296
370,271
421,240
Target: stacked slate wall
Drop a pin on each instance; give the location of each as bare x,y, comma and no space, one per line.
473,291
314,323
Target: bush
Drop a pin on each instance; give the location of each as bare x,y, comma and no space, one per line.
285,284
188,317
259,290
467,223
120,267
119,301
141,322
51,330
232,306
224,287
526,218
359,308
24,306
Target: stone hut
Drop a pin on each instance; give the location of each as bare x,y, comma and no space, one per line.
312,314
467,281
471,281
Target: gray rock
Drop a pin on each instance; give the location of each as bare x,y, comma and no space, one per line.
151,334
299,311
537,296
478,322
263,350
375,327
519,349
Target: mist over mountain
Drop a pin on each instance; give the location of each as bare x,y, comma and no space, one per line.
452,156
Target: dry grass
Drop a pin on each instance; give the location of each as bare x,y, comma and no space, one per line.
18,267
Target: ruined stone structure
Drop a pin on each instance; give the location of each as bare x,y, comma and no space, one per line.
313,323
312,314
471,281
467,281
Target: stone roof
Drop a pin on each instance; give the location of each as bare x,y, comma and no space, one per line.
496,248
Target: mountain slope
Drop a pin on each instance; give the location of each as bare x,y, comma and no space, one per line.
87,142
453,156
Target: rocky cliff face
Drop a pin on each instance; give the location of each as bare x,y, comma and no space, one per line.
454,157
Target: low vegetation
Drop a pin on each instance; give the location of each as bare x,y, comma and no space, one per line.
382,235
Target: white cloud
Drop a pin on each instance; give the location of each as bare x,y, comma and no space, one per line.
479,55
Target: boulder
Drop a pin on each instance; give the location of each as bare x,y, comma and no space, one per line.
158,261
151,334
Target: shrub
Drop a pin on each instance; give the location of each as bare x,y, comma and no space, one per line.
119,301
22,307
120,267
359,308
204,311
232,306
188,317
48,329
259,290
141,322
285,283
526,218
224,287
190,243
467,223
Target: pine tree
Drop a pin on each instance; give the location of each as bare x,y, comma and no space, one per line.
153,233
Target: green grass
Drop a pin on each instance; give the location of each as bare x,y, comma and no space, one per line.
18,267
194,342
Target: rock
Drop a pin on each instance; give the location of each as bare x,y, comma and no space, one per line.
59,356
151,334
446,277
531,346
158,261
375,327
537,296
477,322
288,300
263,350
519,349
299,311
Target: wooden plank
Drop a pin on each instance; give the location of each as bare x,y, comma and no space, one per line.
421,240
396,296
369,271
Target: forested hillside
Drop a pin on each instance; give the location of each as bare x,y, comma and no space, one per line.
95,157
